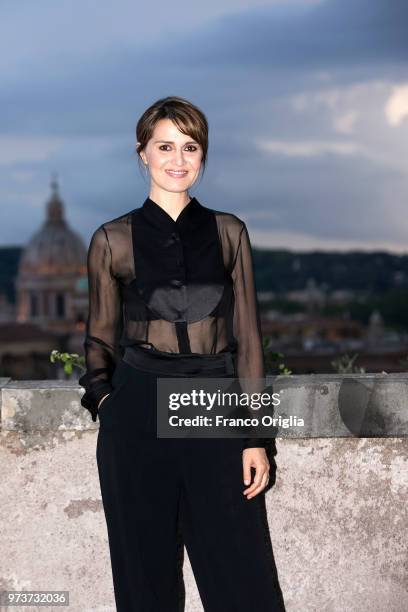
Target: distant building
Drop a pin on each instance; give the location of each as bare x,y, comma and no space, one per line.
50,266
51,298
376,329
311,296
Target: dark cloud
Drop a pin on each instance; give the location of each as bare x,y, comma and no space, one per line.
333,32
241,70
229,56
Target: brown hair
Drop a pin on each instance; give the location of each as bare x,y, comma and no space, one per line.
189,119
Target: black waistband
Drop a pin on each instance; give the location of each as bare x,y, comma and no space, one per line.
176,364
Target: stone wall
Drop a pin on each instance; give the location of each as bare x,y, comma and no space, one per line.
338,511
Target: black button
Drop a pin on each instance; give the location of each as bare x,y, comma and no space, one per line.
177,283
175,236
179,262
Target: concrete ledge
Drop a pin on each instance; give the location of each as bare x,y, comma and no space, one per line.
364,405
338,512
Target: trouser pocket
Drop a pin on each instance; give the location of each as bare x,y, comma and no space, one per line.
131,402
108,408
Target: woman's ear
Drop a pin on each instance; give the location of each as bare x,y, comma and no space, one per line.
141,154
143,157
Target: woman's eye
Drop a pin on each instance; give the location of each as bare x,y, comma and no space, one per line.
191,147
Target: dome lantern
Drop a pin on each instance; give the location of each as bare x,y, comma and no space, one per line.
55,206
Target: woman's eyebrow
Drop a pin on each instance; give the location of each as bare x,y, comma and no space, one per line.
172,142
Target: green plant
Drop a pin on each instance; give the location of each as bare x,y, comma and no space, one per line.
70,360
344,365
271,357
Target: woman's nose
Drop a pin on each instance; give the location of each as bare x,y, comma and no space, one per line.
179,158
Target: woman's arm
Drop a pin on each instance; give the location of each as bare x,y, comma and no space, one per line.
246,324
103,323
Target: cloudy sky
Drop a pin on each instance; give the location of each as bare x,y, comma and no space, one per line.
307,103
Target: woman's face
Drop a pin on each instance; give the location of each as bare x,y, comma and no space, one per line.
174,158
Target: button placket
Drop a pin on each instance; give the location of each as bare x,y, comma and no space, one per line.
180,281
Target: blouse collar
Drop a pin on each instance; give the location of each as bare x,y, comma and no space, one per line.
189,217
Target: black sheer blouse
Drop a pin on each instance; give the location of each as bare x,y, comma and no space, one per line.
184,286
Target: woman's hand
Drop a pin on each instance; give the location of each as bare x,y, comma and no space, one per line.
100,402
257,458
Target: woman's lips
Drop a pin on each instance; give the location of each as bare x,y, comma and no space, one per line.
176,173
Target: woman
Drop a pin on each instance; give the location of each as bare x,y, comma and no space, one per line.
172,293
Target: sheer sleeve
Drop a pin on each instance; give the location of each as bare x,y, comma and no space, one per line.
247,326
103,323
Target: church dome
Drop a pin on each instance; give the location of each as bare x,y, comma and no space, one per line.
55,248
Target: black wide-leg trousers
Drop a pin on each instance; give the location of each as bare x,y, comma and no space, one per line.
161,494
